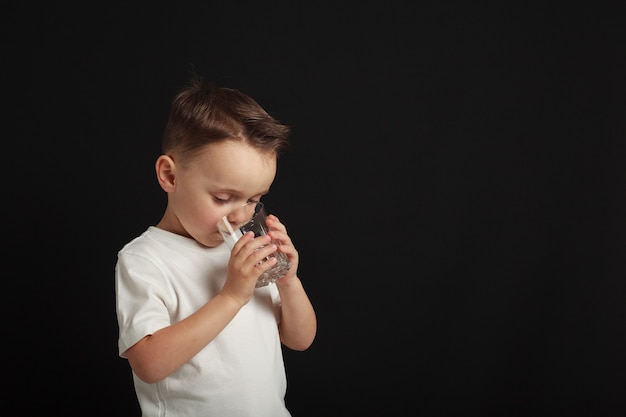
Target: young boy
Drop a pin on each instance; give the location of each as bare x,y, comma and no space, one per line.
200,338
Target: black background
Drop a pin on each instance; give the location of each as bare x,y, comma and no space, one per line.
455,189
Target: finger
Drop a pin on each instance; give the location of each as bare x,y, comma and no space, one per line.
266,263
252,244
260,254
242,242
274,223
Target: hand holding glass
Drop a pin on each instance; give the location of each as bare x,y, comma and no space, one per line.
254,220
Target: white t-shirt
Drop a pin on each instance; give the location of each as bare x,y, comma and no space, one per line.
161,278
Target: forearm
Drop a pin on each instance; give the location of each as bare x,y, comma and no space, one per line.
158,355
298,324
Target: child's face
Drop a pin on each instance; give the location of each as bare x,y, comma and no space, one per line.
223,177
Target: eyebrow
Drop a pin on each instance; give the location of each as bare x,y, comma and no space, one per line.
233,191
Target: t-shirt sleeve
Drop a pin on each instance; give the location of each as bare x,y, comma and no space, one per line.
141,299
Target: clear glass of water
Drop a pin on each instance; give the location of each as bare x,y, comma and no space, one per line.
251,217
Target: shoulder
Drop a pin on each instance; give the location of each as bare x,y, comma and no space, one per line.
154,241
148,239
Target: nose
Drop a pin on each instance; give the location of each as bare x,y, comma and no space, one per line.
242,214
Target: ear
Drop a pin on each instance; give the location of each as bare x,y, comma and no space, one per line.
166,173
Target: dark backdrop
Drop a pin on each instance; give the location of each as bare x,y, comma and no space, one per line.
455,188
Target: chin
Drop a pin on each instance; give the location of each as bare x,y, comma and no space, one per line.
213,240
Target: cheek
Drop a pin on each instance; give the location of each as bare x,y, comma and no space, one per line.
198,213
207,214
211,220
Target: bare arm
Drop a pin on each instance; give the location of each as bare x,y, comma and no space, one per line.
298,324
156,356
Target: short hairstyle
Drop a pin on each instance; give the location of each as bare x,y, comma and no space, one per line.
203,113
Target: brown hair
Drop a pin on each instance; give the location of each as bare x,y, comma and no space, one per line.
203,113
